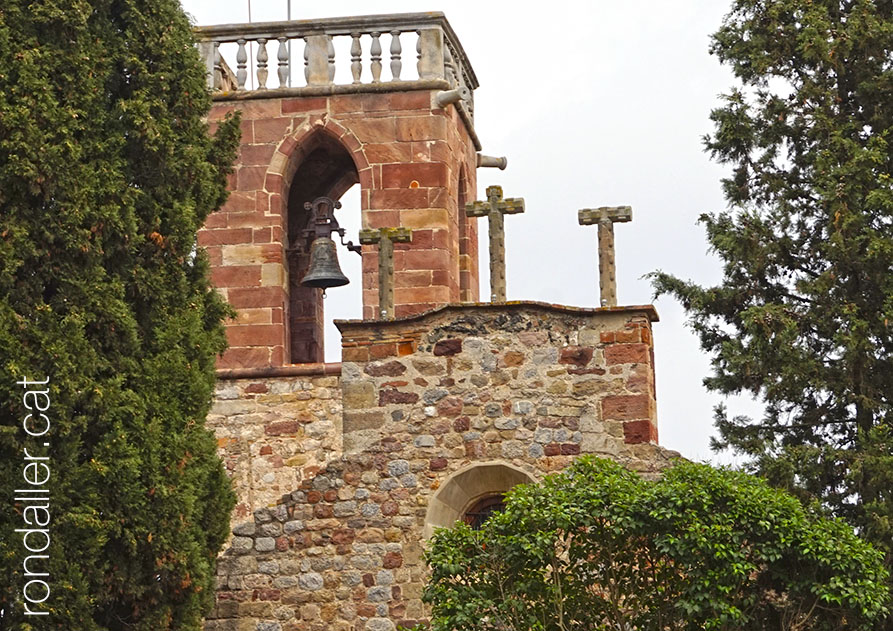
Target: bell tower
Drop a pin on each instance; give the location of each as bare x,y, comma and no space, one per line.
402,130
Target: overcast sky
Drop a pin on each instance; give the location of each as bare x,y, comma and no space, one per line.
596,103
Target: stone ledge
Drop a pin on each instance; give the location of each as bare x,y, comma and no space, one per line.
293,370
648,310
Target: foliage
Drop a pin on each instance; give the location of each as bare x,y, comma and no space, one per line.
597,547
803,316
106,172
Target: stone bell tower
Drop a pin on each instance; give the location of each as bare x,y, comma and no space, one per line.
404,132
440,403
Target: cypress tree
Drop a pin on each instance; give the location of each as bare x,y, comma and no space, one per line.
803,316
107,170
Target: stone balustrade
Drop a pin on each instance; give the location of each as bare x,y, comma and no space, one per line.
267,51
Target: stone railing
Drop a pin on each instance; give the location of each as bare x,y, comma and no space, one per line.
263,56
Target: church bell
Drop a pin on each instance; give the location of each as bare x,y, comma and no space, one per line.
324,271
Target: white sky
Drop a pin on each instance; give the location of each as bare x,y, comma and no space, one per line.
595,103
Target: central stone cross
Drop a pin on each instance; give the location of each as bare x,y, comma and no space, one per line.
495,208
605,216
386,238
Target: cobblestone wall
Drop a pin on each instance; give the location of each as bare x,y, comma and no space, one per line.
437,410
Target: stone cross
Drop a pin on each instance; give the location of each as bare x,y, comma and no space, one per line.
386,238
495,208
605,217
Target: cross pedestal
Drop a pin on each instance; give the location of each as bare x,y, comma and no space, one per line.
605,217
386,238
494,209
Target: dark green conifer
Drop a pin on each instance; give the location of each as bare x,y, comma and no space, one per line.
803,317
107,170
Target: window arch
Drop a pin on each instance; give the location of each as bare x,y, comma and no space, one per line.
467,489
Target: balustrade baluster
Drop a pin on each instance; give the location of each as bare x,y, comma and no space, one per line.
262,63
396,49
418,54
284,62
241,65
306,62
375,53
218,66
448,66
331,53
356,57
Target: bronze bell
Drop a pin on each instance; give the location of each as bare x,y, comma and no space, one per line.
324,270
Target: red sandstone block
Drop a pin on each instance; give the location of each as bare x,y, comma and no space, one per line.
646,336
426,174
440,198
215,220
626,354
607,337
627,336
405,348
635,432
575,355
236,276
243,357
626,407
260,108
254,334
250,220
415,295
359,158
273,182
388,152
255,297
440,277
421,128
380,130
422,259
247,129
383,219
306,104
215,255
280,428
271,130
346,103
440,151
413,278
381,351
406,198
358,354
224,237
250,178
415,100
239,202
376,102
256,155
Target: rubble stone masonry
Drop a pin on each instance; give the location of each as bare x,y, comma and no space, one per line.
342,478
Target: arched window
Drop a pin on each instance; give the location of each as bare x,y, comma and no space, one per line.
480,511
473,493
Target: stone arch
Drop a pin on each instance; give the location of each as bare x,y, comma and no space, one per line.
320,158
465,487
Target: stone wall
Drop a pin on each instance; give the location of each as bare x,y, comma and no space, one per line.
272,431
438,410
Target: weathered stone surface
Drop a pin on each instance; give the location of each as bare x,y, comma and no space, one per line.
335,498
